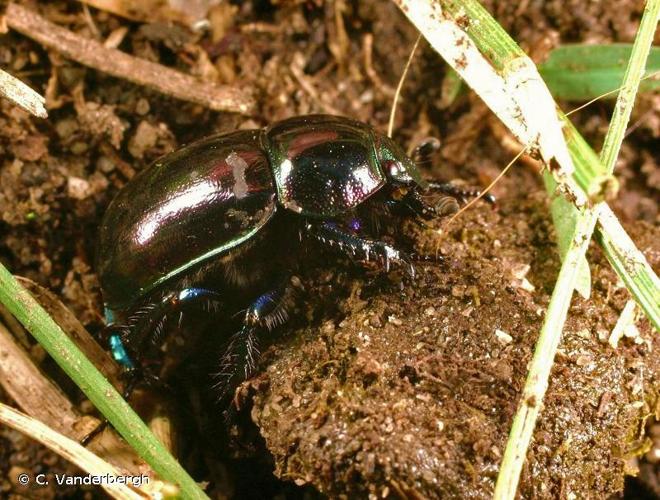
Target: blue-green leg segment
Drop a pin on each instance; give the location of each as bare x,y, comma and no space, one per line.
129,341
241,355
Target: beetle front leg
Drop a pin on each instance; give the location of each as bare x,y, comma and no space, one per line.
463,194
355,246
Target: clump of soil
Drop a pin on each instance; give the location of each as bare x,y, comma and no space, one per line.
413,389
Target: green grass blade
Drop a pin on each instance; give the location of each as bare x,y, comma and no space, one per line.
640,281
626,99
590,173
584,72
634,271
452,85
565,218
536,384
102,394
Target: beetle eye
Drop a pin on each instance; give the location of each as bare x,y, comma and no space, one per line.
393,168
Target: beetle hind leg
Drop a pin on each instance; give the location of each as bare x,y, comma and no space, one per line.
129,342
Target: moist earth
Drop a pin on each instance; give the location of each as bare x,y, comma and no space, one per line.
379,385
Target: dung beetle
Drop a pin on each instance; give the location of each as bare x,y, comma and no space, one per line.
223,221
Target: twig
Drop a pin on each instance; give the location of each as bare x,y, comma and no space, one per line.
31,391
40,398
367,55
189,13
74,329
22,95
121,65
68,449
298,73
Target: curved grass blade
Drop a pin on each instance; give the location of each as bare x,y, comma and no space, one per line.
100,392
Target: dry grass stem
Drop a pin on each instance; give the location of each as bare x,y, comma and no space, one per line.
22,95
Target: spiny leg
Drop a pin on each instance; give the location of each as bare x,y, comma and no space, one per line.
242,352
145,326
129,342
355,246
424,152
463,194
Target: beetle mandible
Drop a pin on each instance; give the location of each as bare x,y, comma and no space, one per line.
223,220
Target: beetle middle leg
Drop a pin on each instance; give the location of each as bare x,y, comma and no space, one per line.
241,355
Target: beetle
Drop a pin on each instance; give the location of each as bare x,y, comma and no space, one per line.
223,221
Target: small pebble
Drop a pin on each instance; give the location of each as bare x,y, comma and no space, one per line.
583,360
375,321
503,337
78,188
142,107
395,321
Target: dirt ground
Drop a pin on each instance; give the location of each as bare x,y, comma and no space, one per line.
379,386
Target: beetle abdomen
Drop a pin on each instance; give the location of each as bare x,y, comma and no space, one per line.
191,205
323,165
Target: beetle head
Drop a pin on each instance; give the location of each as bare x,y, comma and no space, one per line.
399,169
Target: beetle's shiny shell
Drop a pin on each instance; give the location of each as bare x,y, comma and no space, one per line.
188,207
210,197
323,165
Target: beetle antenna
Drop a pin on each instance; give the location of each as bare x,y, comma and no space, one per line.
490,186
390,126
